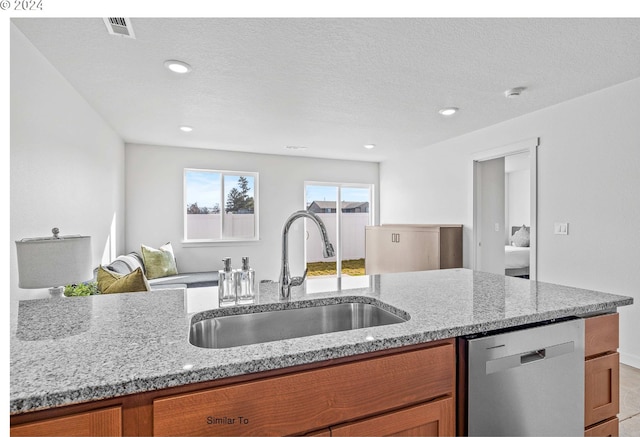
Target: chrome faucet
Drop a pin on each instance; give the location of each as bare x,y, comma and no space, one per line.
286,281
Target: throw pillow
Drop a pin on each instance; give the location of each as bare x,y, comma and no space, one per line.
159,263
112,282
521,238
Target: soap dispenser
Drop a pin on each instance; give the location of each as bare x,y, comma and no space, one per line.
226,285
246,283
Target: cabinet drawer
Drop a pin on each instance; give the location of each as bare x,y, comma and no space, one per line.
601,334
435,418
604,429
602,388
312,399
105,422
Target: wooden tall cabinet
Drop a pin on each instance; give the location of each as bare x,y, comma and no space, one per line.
410,248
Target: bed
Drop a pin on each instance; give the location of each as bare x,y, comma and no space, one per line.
516,258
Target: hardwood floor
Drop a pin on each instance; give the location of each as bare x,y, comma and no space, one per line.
629,415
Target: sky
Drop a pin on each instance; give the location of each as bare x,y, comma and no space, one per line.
324,192
203,187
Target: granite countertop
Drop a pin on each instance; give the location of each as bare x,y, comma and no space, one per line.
71,350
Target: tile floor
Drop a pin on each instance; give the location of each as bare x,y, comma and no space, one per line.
629,401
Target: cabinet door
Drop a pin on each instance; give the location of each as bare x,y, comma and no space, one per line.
106,422
420,250
390,249
309,400
435,418
322,433
602,388
380,250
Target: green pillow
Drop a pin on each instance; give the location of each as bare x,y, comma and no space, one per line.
159,263
112,282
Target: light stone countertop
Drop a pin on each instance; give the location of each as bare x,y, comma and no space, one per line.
71,350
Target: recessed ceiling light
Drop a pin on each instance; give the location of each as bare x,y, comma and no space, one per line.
448,111
296,147
514,92
369,146
186,128
177,66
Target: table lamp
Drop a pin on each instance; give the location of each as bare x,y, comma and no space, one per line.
54,262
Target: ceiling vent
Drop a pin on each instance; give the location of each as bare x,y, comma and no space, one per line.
119,26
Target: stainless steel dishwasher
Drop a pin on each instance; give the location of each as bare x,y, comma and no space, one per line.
528,382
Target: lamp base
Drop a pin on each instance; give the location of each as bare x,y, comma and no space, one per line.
56,292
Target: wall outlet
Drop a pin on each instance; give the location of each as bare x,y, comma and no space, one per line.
561,228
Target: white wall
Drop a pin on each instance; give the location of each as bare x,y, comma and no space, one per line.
588,176
518,199
67,164
154,204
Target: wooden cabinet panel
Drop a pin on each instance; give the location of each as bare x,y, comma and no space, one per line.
322,433
105,422
435,418
401,250
409,248
601,334
604,429
298,402
602,388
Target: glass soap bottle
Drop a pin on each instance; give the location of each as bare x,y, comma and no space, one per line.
246,283
226,285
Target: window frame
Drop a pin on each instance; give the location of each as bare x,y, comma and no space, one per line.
222,173
339,231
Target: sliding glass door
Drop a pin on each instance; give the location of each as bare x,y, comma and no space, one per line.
345,210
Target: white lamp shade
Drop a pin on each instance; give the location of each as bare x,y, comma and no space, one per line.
53,262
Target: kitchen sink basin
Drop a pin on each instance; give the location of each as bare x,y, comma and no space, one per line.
244,329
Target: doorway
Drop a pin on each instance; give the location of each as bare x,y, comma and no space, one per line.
505,210
345,209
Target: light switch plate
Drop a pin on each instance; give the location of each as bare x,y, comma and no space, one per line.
561,228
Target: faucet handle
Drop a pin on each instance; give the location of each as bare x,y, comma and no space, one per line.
298,280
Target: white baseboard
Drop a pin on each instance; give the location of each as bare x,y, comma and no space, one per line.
630,360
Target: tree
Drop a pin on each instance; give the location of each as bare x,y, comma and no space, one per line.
238,199
234,200
195,209
243,184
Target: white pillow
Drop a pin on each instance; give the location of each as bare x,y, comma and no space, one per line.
521,238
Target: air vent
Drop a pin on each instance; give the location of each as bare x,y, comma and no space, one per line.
119,26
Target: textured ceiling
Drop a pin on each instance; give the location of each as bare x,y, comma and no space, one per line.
331,84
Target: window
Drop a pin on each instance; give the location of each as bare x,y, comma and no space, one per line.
345,227
220,205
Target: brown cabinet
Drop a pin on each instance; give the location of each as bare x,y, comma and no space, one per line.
408,248
430,419
608,428
297,403
602,375
103,422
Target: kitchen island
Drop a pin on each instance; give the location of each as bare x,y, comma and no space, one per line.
69,353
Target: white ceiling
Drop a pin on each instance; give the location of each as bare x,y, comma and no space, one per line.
331,84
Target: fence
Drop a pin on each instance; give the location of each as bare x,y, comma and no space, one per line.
352,236
207,226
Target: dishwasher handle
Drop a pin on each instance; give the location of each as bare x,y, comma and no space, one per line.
522,359
532,356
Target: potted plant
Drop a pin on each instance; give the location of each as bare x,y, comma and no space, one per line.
82,289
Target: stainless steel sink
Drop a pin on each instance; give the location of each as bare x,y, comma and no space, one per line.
244,329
